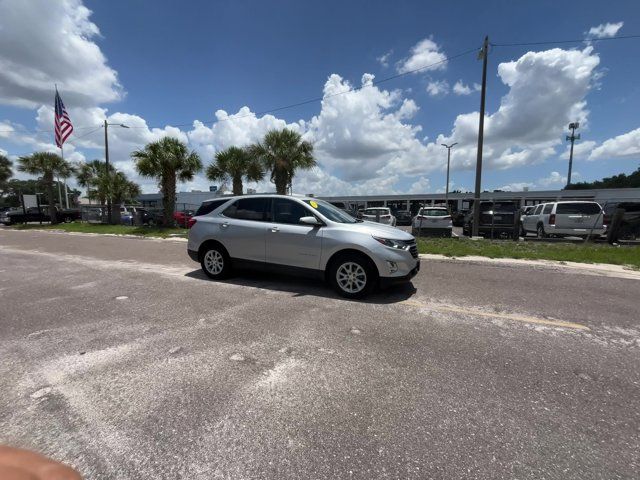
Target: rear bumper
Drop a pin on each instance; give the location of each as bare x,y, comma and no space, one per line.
193,255
388,281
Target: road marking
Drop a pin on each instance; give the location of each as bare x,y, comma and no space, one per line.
504,316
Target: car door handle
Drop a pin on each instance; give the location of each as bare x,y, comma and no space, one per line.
275,229
224,225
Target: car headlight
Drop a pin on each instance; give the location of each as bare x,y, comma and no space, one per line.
388,242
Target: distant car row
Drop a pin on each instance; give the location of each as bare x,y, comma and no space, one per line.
38,214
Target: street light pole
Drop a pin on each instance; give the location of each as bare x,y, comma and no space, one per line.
446,194
572,138
484,53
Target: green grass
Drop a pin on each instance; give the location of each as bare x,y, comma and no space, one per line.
584,253
109,229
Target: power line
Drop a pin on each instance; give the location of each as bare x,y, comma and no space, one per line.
551,42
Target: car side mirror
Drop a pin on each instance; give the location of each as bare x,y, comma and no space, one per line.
310,221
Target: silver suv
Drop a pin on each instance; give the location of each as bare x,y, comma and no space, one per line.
301,235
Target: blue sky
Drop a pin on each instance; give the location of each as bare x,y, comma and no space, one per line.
178,62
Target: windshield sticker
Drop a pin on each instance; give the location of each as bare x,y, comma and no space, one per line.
313,204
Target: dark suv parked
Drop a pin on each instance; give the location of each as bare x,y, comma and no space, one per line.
497,220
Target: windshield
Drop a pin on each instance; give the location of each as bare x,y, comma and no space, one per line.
434,212
330,212
374,211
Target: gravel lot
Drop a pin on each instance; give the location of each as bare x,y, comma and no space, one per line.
121,359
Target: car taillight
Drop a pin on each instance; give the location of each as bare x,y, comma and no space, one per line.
552,219
385,216
606,219
191,222
420,217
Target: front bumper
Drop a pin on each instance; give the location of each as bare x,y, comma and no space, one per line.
388,281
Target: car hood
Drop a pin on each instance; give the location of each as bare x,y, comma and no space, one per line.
379,230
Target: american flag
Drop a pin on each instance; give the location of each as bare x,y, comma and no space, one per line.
62,121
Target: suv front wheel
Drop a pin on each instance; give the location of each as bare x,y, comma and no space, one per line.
540,232
215,262
352,275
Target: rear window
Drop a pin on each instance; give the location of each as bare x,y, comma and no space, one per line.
578,208
434,212
210,206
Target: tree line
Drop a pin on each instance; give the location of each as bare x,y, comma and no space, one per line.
280,154
616,181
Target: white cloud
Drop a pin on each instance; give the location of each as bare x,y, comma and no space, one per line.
422,185
554,178
384,59
43,42
605,30
626,145
359,134
581,150
547,90
437,87
426,53
517,186
460,88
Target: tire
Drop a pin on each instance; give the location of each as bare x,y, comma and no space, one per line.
540,232
352,275
523,232
215,262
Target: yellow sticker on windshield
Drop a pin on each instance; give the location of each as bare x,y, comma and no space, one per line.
313,204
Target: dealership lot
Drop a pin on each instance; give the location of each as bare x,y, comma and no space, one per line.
120,358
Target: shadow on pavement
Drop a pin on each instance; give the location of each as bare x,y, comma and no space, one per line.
301,287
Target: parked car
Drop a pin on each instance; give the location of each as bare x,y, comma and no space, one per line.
524,212
301,235
457,218
497,219
629,227
566,219
380,215
403,217
182,217
432,221
35,214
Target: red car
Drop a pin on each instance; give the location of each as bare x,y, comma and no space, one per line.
182,218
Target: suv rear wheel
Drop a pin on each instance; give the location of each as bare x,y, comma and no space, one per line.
352,275
215,262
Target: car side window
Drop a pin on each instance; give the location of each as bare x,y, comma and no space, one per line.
538,209
548,208
288,211
248,209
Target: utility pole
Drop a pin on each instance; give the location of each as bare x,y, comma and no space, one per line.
572,138
484,53
107,173
108,170
446,194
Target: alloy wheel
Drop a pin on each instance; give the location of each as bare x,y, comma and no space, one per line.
351,277
214,262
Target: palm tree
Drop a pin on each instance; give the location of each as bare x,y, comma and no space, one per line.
48,165
234,164
167,160
5,169
122,190
283,152
86,175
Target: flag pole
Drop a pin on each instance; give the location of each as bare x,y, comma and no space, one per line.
66,192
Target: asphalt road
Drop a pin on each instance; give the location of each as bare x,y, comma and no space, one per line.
121,359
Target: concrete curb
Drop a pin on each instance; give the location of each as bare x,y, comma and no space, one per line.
600,269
